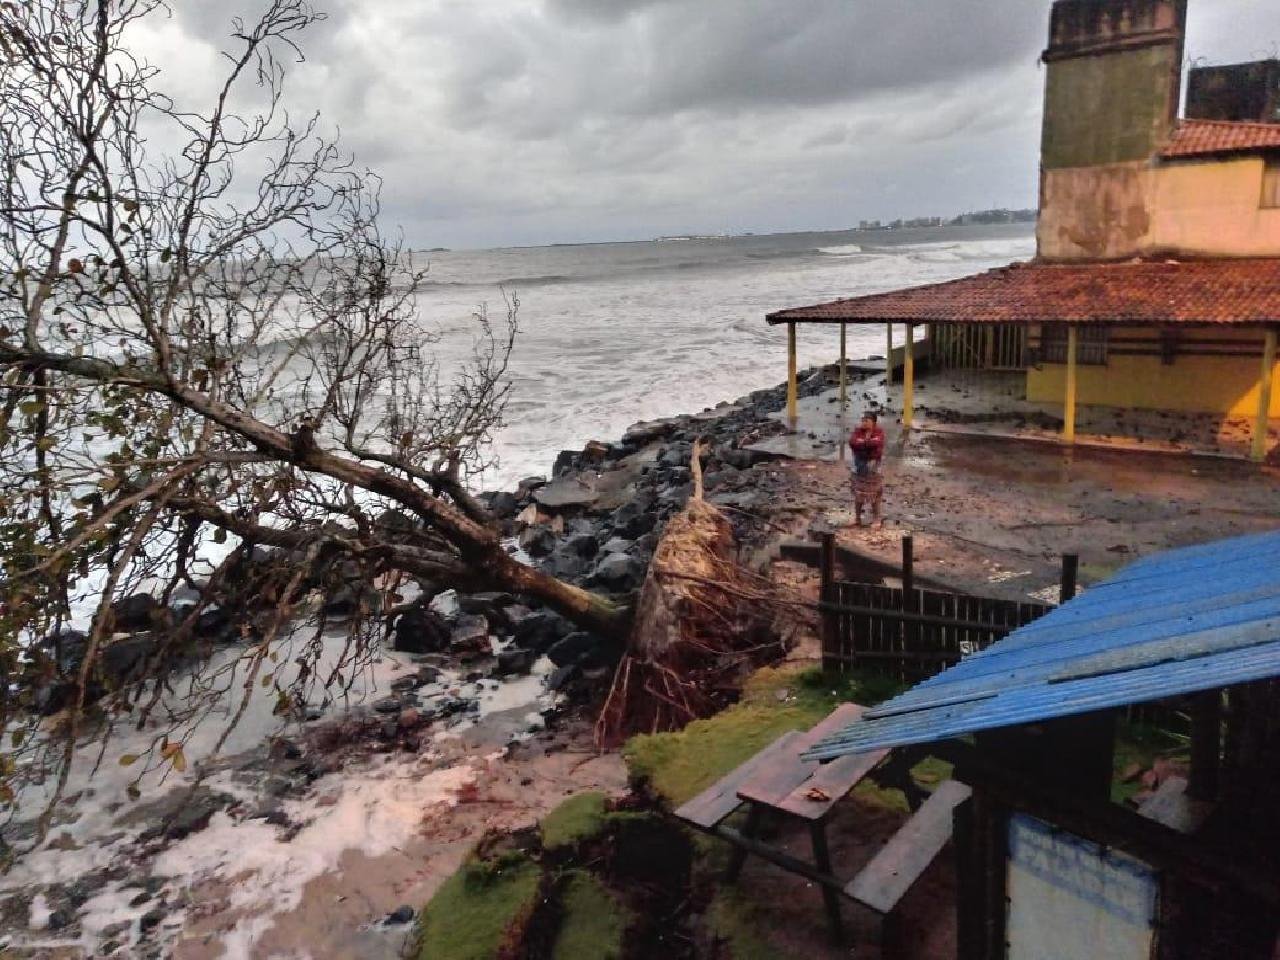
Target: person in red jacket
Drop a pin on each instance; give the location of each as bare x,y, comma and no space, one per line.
867,445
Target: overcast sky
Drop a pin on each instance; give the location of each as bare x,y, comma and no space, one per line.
506,122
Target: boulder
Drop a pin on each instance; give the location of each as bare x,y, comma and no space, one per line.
562,677
525,488
618,573
631,520
349,600
515,661
568,493
567,566
584,545
617,545
571,649
540,630
566,461
537,541
421,630
402,914
503,504
470,635
141,611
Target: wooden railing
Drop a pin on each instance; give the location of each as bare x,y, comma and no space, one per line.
911,633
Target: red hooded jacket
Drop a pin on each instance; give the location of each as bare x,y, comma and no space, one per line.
867,444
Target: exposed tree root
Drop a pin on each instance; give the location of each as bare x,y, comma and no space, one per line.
702,622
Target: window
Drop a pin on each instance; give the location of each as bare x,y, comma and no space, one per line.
1091,345
1271,185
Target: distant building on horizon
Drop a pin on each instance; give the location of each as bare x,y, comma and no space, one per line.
1156,282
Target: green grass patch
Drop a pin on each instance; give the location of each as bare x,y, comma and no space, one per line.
775,700
575,820
593,921
1140,745
730,918
471,916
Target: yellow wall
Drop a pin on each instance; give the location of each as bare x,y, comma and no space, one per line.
1213,208
1225,385
1192,208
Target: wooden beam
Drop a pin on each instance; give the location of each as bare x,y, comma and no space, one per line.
1261,422
1069,402
909,378
793,391
844,368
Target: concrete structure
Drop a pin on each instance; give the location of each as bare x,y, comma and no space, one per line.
1123,180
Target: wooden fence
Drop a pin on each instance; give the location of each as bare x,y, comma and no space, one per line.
910,633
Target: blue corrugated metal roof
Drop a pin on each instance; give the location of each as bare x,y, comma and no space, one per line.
1173,623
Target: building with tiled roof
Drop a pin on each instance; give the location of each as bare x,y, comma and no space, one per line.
1156,283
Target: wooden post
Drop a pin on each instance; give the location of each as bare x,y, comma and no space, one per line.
827,577
908,378
1206,745
844,369
1070,566
989,351
908,563
888,355
910,630
1260,423
793,391
1069,406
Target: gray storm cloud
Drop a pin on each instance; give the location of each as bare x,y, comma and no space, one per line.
526,121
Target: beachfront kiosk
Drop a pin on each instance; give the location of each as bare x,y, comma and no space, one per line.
1156,281
1050,863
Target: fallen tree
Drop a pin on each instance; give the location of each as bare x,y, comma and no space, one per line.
214,387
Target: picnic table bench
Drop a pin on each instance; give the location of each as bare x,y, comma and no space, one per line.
776,780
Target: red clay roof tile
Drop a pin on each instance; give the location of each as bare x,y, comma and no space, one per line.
1240,291
1195,138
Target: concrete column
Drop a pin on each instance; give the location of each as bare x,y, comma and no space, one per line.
844,369
909,378
1069,402
793,391
1260,423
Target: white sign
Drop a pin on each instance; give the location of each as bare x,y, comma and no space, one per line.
1071,899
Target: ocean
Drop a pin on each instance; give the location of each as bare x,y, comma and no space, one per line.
612,333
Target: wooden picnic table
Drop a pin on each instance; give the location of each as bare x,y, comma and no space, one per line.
777,780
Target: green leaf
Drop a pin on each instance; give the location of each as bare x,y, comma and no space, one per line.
128,759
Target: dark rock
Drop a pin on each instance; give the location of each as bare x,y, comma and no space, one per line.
719,478
617,545
676,495
566,461
619,572
470,634
567,566
141,898
526,487
584,545
348,600
503,504
540,630
487,604
421,630
631,520
571,649
180,813
562,677
428,674
140,611
400,915
405,684
537,541
396,521
515,661
388,705
60,919
677,455
152,919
